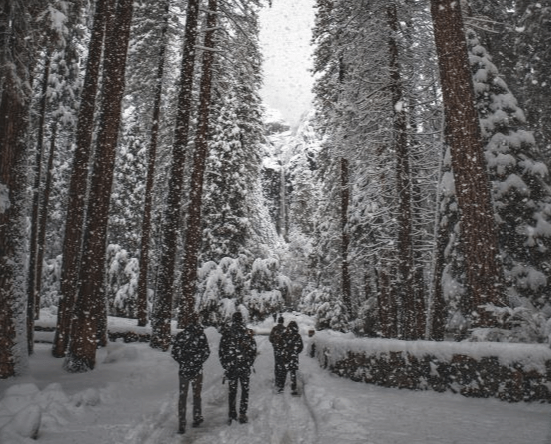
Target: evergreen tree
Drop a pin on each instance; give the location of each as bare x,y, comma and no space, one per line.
162,306
74,224
478,230
90,317
128,190
17,58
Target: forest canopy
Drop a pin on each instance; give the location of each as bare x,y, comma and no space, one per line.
142,177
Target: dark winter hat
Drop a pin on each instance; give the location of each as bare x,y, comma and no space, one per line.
237,317
280,320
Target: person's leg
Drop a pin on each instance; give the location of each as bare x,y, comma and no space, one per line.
280,372
232,383
293,375
182,401
197,384
276,367
244,404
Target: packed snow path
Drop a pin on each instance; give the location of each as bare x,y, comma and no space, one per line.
131,398
332,410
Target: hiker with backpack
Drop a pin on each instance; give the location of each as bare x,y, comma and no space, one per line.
276,339
190,349
237,353
292,346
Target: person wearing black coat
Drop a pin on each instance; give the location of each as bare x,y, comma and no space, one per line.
293,345
276,338
237,353
191,349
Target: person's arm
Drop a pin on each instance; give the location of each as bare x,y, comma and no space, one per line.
300,344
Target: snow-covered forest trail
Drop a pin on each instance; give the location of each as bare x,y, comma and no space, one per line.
333,410
132,395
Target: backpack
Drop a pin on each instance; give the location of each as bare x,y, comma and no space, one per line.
237,352
276,336
190,349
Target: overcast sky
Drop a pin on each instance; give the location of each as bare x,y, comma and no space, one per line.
286,30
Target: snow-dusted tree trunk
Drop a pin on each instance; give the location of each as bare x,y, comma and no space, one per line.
407,317
90,309
74,224
32,277
194,232
463,135
162,307
16,64
43,217
152,155
345,235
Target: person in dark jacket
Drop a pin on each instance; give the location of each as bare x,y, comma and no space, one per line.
191,350
237,353
276,338
293,345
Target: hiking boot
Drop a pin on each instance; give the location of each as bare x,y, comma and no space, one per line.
294,392
197,421
232,418
243,419
181,430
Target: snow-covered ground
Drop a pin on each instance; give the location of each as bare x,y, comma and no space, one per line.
131,397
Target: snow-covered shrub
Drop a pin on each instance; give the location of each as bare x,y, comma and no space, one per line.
264,274
367,321
220,288
326,307
261,304
523,323
51,276
266,289
211,290
122,282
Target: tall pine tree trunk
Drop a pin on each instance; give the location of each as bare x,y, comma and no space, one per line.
345,236
90,307
438,315
13,112
194,228
407,316
162,307
32,305
74,223
43,218
463,134
16,64
152,155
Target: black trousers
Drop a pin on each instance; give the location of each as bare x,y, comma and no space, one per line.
292,377
197,386
279,370
244,402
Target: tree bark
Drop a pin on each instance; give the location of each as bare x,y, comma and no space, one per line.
162,308
407,317
90,307
32,305
43,218
16,64
193,232
438,315
152,155
463,134
74,224
345,236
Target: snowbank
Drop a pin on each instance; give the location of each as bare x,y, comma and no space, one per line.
513,372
